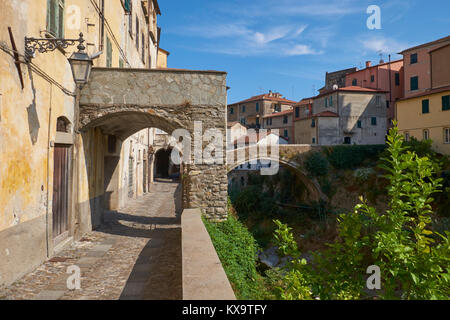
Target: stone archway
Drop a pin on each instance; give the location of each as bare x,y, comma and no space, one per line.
121,102
289,155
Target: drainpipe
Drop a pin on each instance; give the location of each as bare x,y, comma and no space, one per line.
102,29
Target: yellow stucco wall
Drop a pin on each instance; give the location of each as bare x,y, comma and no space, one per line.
26,114
411,119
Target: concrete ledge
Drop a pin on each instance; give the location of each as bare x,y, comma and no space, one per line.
203,274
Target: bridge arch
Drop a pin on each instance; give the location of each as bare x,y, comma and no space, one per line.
289,156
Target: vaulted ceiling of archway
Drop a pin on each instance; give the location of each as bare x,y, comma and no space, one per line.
124,124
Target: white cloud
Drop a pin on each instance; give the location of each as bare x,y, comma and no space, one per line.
384,45
300,49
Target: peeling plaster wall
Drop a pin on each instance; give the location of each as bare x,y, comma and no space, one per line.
27,124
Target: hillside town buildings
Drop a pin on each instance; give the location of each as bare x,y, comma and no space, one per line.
424,112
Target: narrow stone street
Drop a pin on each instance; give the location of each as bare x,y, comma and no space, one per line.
135,254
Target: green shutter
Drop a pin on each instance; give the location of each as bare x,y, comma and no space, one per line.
414,83
425,106
445,103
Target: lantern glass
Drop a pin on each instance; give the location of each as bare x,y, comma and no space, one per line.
81,66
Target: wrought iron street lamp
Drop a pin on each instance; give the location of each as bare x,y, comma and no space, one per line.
80,62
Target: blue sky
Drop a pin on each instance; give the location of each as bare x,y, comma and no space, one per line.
288,45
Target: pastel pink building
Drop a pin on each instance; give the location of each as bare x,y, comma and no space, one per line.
417,67
387,77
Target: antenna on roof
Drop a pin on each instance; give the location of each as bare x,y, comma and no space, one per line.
380,53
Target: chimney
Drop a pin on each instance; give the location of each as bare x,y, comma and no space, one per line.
270,93
368,64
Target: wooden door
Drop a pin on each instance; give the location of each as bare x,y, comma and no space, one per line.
61,190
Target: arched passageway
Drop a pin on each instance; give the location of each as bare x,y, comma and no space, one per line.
120,103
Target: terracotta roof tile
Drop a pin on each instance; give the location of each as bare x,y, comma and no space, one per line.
264,97
326,114
279,114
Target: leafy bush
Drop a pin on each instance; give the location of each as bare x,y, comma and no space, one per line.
414,261
351,157
237,251
363,174
316,164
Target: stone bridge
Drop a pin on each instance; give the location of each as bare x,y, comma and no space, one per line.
290,156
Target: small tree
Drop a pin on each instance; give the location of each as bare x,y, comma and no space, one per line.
414,261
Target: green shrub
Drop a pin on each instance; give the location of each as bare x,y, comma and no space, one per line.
316,164
414,259
237,250
363,174
351,157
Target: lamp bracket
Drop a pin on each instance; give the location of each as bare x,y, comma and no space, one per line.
43,45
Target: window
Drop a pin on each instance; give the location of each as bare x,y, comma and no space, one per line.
347,140
406,136
359,124
257,107
447,135
326,102
313,123
425,106
378,101
297,112
243,109
374,121
108,53
314,140
426,134
387,104
231,110
285,119
143,48
128,4
397,79
331,101
137,32
354,82
55,18
372,78
130,20
445,103
243,121
62,125
414,83
414,58
286,133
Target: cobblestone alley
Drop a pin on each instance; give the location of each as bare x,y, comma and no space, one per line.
135,254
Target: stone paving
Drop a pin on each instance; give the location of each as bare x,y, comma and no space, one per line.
134,255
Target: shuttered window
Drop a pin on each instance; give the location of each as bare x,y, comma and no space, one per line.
397,79
55,17
414,83
108,53
445,103
425,106
128,5
137,32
